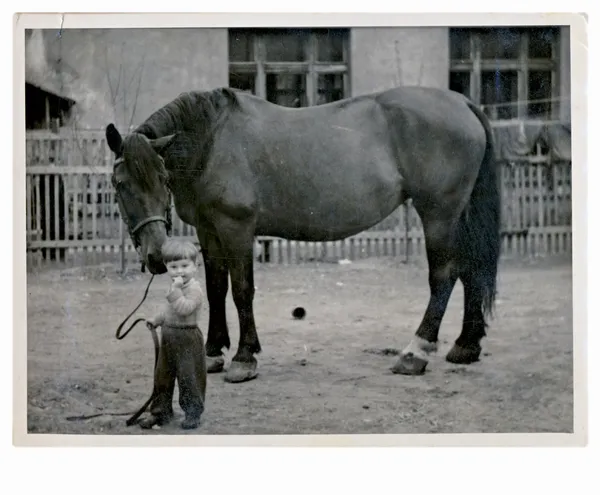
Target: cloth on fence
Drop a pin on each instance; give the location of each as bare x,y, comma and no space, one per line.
516,140
557,137
521,139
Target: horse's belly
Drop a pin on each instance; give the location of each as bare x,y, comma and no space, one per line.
329,225
329,202
328,178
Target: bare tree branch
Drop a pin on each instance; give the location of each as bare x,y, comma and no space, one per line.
420,80
137,91
123,96
108,79
398,64
120,74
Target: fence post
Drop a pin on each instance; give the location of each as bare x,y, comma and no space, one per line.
123,259
406,230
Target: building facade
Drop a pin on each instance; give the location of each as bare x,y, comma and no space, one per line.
123,75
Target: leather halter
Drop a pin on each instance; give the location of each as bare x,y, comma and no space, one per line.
155,218
142,223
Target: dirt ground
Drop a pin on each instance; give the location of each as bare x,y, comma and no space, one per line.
327,374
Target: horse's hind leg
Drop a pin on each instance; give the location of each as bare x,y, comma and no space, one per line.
443,274
466,349
217,285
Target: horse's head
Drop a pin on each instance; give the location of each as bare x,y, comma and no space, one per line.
140,181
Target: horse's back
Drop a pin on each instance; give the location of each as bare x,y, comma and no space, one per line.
436,107
320,136
261,110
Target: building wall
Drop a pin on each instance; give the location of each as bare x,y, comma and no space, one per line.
147,68
384,57
565,74
167,62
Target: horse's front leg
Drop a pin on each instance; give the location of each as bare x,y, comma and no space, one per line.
237,239
217,285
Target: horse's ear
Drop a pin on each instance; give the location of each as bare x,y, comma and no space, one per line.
114,140
230,94
161,145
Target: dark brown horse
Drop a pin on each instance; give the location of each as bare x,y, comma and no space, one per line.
239,166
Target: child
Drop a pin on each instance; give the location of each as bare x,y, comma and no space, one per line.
182,353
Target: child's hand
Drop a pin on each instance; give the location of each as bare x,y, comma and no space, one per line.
151,323
177,283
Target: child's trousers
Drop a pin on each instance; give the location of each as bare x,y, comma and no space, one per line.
182,356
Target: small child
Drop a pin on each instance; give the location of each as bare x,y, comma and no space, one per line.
182,352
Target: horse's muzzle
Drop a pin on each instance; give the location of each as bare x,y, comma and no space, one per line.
155,264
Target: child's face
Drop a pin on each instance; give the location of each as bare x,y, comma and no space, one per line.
181,268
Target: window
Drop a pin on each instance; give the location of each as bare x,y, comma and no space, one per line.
290,67
511,72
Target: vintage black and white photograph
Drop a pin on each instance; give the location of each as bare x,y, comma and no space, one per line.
340,228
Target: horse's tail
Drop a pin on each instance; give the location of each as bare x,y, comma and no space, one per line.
479,226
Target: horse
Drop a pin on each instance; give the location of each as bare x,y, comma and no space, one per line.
238,166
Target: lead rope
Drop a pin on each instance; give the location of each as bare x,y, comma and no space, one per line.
133,419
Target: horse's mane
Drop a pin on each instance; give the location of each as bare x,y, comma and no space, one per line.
193,111
194,116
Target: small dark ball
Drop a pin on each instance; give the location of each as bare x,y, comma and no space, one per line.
299,313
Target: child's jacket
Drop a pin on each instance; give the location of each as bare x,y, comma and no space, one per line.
184,305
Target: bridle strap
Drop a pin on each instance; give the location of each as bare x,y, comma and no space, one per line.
155,218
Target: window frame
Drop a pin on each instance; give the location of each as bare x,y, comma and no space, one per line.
311,67
475,65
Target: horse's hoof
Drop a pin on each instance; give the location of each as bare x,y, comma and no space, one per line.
409,364
214,364
462,355
241,372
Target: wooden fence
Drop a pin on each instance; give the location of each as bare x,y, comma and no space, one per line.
73,219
